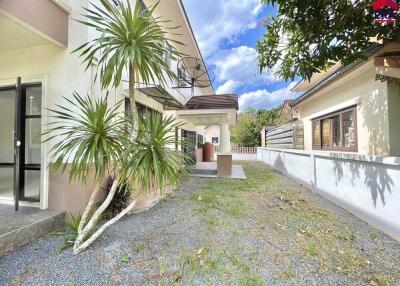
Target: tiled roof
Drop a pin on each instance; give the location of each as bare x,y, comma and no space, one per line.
221,101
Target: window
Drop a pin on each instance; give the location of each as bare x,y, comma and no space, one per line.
142,110
200,141
214,140
336,131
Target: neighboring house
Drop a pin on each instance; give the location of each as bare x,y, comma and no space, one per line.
286,113
354,108
351,120
37,38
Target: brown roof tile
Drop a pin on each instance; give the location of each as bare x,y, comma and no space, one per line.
220,101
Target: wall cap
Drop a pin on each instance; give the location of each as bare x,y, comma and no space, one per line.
346,156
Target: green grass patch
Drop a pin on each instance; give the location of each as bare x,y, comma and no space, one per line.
289,273
212,222
125,258
137,247
311,250
251,280
373,235
231,265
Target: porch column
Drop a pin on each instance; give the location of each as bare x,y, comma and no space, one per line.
224,157
225,138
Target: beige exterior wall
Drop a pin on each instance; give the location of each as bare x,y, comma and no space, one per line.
377,109
71,197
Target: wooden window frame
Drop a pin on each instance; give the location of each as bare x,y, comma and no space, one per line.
329,116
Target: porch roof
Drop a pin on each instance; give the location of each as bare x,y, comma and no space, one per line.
204,117
211,109
162,96
220,101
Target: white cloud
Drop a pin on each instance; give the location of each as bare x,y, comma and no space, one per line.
216,21
228,87
237,67
264,99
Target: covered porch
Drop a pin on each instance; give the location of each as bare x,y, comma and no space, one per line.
218,110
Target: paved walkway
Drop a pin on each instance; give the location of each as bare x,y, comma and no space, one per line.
24,226
266,230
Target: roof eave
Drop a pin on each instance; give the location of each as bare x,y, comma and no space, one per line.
342,71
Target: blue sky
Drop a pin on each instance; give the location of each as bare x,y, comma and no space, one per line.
227,32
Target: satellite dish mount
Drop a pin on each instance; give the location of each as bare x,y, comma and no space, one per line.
193,72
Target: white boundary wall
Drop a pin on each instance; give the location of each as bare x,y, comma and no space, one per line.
367,186
244,157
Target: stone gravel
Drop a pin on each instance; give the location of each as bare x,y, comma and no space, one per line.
183,241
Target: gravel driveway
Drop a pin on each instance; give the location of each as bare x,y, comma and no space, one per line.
266,230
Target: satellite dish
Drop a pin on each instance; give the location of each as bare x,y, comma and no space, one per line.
193,72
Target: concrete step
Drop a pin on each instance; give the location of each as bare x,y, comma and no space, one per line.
203,172
25,226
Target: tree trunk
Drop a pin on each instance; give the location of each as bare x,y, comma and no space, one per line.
132,100
95,235
94,219
88,208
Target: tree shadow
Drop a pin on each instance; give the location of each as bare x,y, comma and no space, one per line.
279,164
375,174
375,110
373,139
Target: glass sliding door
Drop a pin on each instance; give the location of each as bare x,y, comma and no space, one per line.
20,142
31,147
7,122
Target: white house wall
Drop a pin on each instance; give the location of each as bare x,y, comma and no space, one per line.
212,131
359,87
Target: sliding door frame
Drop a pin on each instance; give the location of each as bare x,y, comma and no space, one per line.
44,170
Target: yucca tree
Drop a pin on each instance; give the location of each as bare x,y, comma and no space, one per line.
153,161
91,141
96,137
129,38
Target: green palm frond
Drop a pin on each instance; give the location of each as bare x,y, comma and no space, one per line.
90,137
129,36
153,161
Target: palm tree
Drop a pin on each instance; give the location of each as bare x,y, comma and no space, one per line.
97,138
129,38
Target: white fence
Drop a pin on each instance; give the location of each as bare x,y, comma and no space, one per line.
367,186
239,150
241,153
244,157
